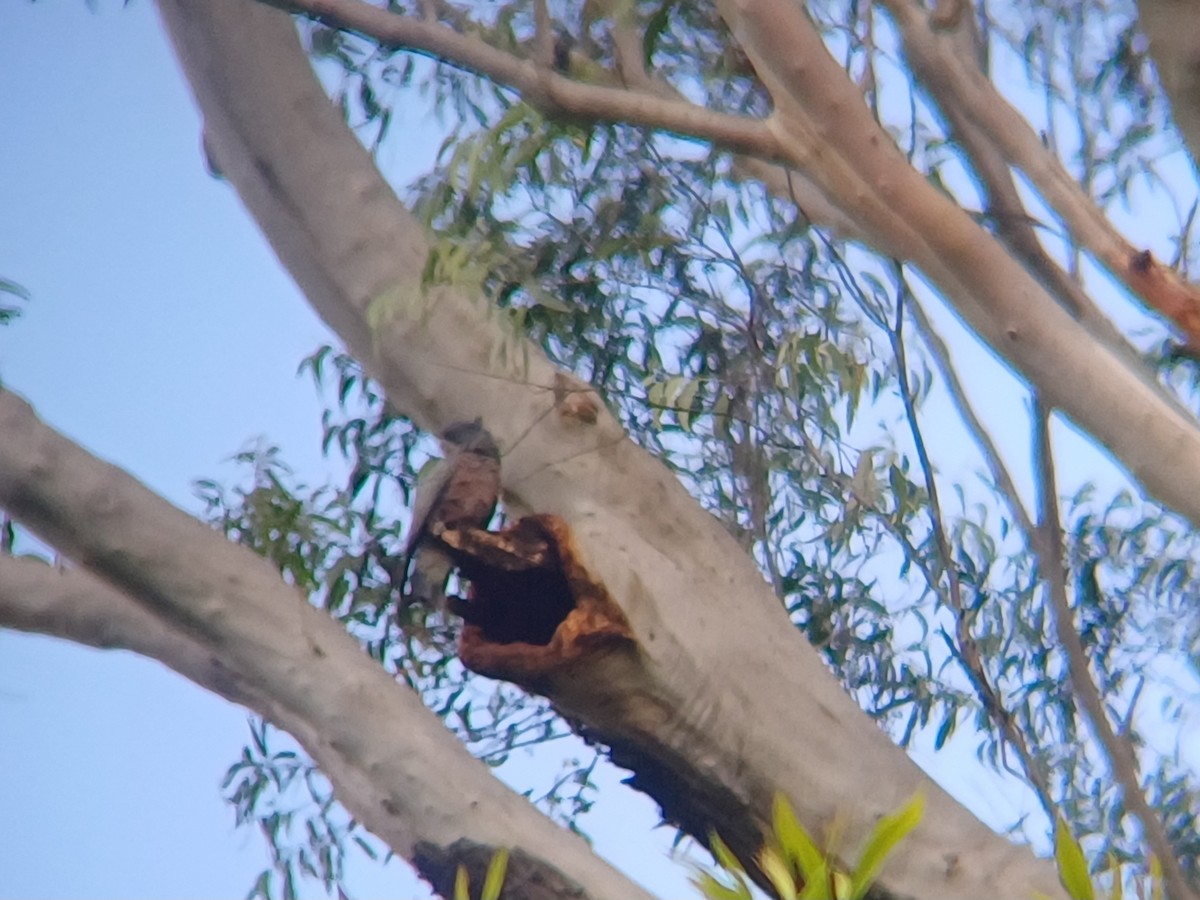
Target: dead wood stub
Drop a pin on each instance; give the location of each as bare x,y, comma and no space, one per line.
533,608
1177,301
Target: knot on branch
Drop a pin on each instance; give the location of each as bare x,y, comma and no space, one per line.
533,607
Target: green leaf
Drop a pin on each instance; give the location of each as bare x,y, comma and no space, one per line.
494,880
8,313
779,873
1117,891
723,855
794,841
1072,865
11,287
683,404
889,832
714,890
817,887
732,867
655,26
462,884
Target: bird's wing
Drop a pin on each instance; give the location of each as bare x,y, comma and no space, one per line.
432,481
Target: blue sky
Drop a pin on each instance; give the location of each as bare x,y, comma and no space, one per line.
154,338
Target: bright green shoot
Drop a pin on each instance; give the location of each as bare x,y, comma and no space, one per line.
799,869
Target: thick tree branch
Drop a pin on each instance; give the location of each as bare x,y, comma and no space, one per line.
557,94
787,184
831,136
714,740
960,87
1121,756
78,606
1012,222
392,763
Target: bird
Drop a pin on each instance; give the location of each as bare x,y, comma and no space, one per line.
458,491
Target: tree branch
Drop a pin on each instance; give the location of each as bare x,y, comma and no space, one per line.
910,219
1120,752
1173,27
962,404
78,606
539,85
222,615
1007,211
830,136
968,648
715,741
962,89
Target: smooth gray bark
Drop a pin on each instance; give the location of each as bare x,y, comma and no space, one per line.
720,678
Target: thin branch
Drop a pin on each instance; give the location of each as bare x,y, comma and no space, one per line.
756,471
1174,33
968,653
543,39
540,86
631,65
962,404
1015,227
1121,754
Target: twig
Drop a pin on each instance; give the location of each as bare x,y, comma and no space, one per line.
540,86
1118,748
987,447
967,653
543,35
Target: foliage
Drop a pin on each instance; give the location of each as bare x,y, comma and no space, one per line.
798,869
14,290
1074,873
492,882
340,544
7,312
1072,865
797,385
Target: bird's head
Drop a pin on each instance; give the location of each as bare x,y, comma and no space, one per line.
471,437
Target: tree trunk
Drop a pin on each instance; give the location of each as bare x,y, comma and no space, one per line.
1173,27
715,700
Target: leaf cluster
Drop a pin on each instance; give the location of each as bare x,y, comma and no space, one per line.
799,869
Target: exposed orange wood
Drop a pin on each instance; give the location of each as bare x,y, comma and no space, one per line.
1163,291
